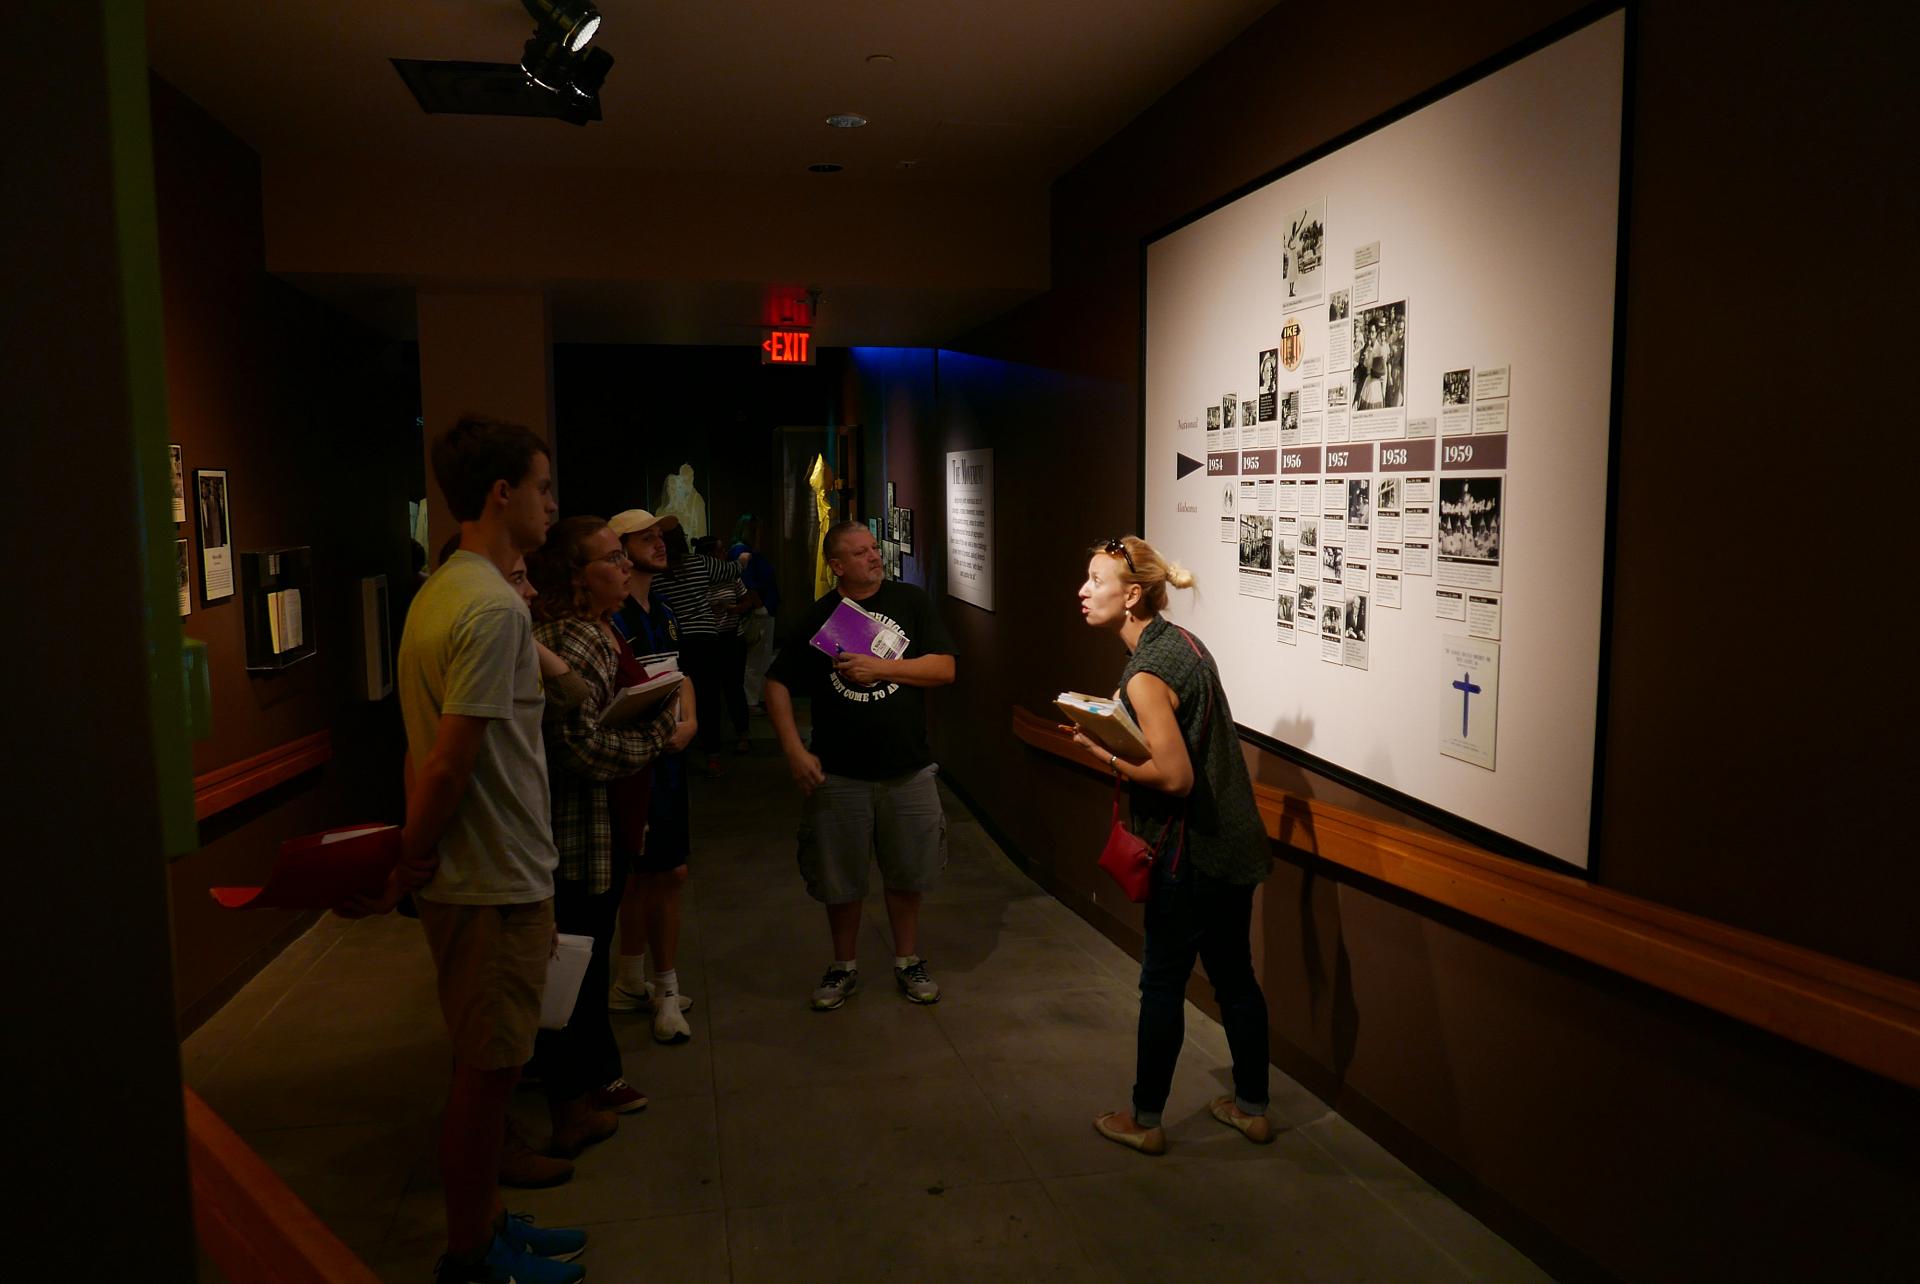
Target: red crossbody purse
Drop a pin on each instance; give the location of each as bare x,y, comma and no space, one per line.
1127,858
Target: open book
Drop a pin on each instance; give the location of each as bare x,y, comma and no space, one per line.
1106,722
643,699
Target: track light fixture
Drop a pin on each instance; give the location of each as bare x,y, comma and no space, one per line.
572,22
556,57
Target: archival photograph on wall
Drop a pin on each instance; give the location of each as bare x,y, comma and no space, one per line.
1301,263
1469,543
1379,371
216,535
179,486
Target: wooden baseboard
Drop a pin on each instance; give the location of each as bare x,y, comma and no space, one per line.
252,1226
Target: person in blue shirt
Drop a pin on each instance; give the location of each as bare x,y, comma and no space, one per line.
757,630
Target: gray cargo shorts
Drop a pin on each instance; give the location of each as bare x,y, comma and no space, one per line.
846,823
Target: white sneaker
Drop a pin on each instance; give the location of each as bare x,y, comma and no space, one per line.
670,1022
836,987
622,999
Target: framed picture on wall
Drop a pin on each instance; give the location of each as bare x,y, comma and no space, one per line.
216,534
889,495
179,486
182,574
905,533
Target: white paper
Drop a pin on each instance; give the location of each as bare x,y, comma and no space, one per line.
1366,287
1490,416
1416,558
1483,615
1492,381
566,968
1366,256
1468,691
1450,604
1386,589
216,572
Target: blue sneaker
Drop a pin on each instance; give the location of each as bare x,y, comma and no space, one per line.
555,1243
507,1262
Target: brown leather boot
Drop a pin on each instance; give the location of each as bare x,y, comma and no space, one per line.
577,1125
524,1167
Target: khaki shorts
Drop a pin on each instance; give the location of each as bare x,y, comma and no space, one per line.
845,824
492,964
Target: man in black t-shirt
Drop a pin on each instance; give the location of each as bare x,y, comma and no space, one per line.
868,779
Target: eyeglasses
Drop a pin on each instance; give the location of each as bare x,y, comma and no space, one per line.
617,557
1117,547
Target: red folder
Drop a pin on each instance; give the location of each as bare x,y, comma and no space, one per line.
321,870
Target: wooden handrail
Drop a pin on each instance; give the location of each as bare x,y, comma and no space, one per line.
228,786
1861,1016
249,1223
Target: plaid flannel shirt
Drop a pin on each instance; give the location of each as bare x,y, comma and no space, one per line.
582,755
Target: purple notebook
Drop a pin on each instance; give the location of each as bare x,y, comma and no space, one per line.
851,629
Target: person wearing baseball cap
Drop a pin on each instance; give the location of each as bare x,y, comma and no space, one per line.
650,910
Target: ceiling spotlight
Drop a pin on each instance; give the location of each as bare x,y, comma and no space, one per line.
572,79
847,120
572,22
825,167
880,60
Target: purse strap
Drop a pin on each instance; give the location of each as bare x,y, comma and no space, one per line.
1206,721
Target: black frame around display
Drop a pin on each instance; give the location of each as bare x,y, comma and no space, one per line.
1442,819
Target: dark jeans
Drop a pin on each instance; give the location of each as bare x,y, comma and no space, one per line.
584,1056
732,671
1190,915
700,659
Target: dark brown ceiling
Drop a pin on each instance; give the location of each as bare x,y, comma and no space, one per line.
984,93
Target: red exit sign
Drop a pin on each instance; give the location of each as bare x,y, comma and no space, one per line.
786,348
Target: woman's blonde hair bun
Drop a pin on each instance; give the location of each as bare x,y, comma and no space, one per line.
1143,565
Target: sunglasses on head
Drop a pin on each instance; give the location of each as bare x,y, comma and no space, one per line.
1117,547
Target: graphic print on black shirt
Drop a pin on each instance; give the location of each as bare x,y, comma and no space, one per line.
868,733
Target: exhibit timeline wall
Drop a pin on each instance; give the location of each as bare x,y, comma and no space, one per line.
1399,549
1603,1126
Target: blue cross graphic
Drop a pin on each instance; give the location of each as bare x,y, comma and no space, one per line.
1468,689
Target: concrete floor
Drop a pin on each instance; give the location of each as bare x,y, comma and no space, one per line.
883,1141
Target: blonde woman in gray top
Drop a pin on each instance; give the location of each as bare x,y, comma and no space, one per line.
1192,800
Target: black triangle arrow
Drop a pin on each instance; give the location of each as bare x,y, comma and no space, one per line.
1186,466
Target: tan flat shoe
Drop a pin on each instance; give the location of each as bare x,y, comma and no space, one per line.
1150,1141
1257,1129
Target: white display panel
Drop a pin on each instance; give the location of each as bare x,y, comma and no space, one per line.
970,527
1492,215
